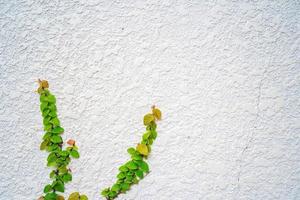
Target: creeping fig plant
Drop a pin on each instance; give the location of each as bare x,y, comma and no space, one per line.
58,158
130,173
134,170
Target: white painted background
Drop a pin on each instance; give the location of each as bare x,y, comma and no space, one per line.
226,76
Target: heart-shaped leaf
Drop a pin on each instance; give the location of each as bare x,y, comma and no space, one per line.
50,196
142,149
74,153
47,188
57,130
131,165
144,166
59,197
148,119
74,196
59,186
56,139
51,98
83,197
139,173
157,113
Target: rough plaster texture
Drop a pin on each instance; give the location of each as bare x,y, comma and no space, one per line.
226,76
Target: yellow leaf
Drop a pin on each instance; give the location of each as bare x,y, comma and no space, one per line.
142,149
157,113
43,83
148,119
39,90
41,198
74,196
60,197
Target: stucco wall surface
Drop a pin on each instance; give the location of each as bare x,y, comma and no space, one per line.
226,76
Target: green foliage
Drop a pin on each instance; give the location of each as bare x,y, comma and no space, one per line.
52,142
74,153
136,168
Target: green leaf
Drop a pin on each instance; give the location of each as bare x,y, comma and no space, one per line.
55,121
45,91
144,142
116,188
51,98
135,180
46,121
150,141
64,153
146,135
60,161
105,192
131,151
45,112
74,147
148,119
43,98
52,174
74,153
51,196
138,162
123,168
131,165
52,107
125,187
154,134
140,174
53,147
120,181
129,173
58,130
51,164
137,157
144,166
121,175
59,186
56,139
52,157
47,188
52,114
83,197
48,127
128,179
112,194
47,136
63,169
67,177
43,106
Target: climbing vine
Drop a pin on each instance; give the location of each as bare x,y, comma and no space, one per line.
58,158
135,169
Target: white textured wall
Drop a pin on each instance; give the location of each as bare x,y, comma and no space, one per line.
226,76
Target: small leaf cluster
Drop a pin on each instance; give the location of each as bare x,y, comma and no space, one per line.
135,169
77,196
58,158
